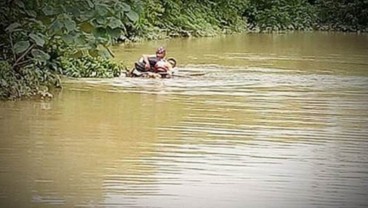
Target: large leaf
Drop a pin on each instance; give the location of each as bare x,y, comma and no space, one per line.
100,21
80,42
126,7
114,33
132,15
68,38
114,23
21,46
12,27
87,15
102,9
86,27
56,26
101,35
70,25
48,10
37,39
90,4
40,55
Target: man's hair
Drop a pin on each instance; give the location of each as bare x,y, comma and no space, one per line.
161,50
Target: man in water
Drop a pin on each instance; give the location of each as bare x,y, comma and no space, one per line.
147,62
154,65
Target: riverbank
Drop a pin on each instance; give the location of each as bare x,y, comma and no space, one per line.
43,40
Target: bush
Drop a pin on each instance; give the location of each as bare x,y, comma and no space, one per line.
342,15
36,35
25,82
280,15
88,66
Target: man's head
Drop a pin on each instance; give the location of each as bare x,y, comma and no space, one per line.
160,53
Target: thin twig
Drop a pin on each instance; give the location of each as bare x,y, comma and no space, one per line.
109,50
23,62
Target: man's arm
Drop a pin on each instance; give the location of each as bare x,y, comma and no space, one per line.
145,59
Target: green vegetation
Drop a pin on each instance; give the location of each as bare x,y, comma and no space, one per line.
266,15
42,40
342,15
337,15
161,18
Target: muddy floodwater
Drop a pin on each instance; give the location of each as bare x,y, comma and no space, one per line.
252,120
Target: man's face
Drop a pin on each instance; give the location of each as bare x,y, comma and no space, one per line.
160,56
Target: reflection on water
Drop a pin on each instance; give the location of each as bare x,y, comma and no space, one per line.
275,121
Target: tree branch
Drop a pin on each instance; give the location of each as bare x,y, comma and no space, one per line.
12,46
23,55
109,50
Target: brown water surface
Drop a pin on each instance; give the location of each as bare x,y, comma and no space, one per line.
277,120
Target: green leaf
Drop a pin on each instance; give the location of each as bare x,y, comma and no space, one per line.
99,32
19,3
101,20
21,46
86,15
12,27
114,32
68,38
102,9
126,7
3,83
132,15
56,26
48,10
86,27
37,39
31,13
80,41
70,25
114,23
123,28
90,4
40,55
